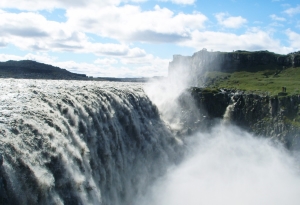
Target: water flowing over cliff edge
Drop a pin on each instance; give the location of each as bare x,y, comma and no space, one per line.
73,142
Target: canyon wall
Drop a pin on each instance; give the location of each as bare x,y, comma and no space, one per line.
274,117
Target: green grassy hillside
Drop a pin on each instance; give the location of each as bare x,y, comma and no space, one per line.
266,81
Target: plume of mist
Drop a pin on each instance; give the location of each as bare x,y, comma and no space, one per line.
224,166
166,93
184,72
229,166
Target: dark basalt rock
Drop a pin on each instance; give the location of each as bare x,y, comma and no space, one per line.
275,117
1,159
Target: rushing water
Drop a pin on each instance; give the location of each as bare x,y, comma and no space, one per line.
72,142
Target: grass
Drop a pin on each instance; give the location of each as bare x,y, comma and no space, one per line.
294,122
269,82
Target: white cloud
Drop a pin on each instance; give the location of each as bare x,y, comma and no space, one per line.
35,5
130,23
230,21
44,58
185,2
126,23
151,66
277,18
294,39
3,43
32,31
6,57
252,40
90,69
293,11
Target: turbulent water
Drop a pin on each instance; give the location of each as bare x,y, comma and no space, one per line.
72,142
231,167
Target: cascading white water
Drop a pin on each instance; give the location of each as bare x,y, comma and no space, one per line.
231,167
228,111
72,142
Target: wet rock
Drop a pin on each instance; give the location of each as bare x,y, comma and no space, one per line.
265,116
1,160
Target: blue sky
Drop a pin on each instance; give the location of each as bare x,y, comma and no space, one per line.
137,38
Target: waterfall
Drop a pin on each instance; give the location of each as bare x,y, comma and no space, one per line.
228,111
73,142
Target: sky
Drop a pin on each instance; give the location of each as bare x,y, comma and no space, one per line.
138,38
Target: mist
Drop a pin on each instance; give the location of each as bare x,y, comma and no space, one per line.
229,166
167,94
108,143
223,165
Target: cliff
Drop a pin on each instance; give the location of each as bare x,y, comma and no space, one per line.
275,117
204,60
258,91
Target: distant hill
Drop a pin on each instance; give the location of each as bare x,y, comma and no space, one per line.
28,69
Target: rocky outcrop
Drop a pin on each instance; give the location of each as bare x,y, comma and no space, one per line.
276,117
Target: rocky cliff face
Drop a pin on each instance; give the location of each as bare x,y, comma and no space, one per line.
204,60
276,117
